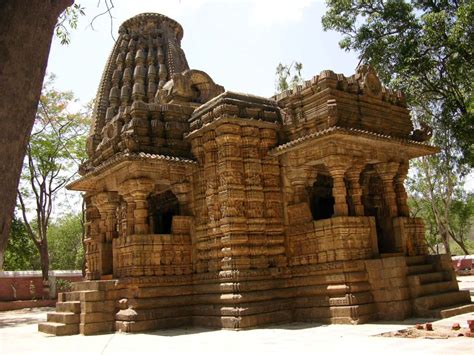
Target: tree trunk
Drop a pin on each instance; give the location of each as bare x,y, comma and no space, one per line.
26,30
461,245
44,257
445,238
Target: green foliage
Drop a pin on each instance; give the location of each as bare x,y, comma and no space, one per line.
462,218
68,21
425,48
439,198
288,76
63,285
55,149
65,243
21,253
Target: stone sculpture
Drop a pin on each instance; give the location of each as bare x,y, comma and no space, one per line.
220,209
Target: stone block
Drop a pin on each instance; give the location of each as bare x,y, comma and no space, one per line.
98,317
96,328
92,296
99,306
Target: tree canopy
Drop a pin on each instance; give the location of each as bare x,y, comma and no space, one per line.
55,149
288,76
425,48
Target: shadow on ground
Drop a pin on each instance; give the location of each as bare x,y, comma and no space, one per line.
23,317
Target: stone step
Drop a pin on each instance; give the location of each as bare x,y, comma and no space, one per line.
416,260
85,286
454,311
102,285
420,269
433,288
69,306
73,296
58,328
63,317
391,255
429,277
441,300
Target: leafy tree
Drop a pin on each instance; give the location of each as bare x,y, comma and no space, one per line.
425,48
65,243
56,147
458,227
462,210
26,30
68,21
288,76
21,253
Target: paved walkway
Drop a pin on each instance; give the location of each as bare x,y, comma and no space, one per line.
19,335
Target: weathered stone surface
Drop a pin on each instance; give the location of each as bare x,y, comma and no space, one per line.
230,210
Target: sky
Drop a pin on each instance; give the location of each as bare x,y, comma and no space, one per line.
238,43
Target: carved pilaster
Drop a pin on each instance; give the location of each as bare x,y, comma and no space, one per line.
400,191
181,191
230,170
135,192
93,239
299,181
387,172
355,190
337,166
107,203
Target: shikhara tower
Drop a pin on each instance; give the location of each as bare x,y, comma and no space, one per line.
221,209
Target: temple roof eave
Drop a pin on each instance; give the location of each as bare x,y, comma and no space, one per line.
414,148
88,182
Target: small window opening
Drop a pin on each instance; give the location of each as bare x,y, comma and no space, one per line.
162,208
321,199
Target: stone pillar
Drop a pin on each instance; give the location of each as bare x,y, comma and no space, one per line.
400,192
107,203
230,170
273,205
181,191
208,233
298,180
93,238
337,166
135,192
200,235
387,172
355,190
254,197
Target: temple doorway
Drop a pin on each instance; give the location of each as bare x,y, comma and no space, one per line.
374,205
321,200
162,208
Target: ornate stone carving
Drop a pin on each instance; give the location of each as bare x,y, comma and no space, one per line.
208,208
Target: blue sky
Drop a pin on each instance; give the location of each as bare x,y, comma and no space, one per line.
238,43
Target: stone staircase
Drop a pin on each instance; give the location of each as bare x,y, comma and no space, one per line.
434,288
66,319
85,310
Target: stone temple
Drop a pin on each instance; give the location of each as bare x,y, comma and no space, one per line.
220,209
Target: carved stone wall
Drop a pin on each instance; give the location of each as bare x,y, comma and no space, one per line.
327,100
239,213
279,208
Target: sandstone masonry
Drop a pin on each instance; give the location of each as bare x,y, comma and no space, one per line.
220,209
